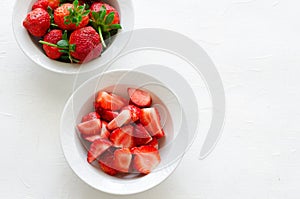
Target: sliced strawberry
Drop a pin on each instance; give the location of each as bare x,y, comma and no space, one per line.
146,158
139,97
122,160
90,116
122,137
141,135
107,115
97,148
91,127
154,143
106,161
122,119
110,101
150,119
134,112
103,134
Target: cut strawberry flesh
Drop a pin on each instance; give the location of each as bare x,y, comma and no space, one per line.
90,116
134,112
106,161
122,160
97,148
154,143
104,133
150,119
107,115
122,119
91,127
108,101
123,137
146,158
139,97
141,135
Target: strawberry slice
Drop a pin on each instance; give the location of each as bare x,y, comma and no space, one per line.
90,116
122,137
122,160
139,97
141,135
146,158
106,161
150,119
134,112
122,119
97,148
103,134
110,101
107,115
154,143
91,127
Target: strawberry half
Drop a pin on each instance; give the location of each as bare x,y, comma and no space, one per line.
122,160
103,134
146,158
122,137
106,161
106,115
90,116
122,119
108,101
139,97
91,127
97,148
150,119
134,112
141,136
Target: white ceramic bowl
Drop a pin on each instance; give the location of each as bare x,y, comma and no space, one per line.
36,54
175,105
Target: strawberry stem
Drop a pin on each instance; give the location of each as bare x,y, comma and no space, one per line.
101,37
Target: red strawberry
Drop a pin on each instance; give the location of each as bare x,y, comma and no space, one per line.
150,119
145,159
122,119
134,112
103,134
96,7
106,161
97,148
87,44
73,20
154,143
37,22
122,160
141,136
89,128
52,37
122,137
108,101
54,3
40,4
90,116
139,97
106,115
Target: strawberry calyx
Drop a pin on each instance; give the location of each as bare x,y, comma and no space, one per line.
64,46
103,22
76,14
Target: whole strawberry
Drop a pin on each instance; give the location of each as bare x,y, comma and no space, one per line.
37,22
87,44
71,16
45,3
96,7
53,37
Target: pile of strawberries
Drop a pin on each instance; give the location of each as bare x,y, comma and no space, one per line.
72,31
123,138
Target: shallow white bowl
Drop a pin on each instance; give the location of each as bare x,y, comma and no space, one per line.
174,105
36,54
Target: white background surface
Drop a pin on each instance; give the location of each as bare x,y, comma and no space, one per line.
255,46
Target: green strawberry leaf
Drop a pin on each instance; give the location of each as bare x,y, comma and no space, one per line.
63,43
109,19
